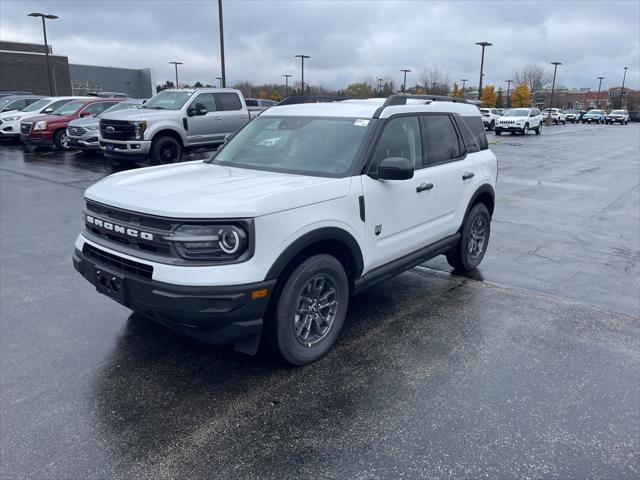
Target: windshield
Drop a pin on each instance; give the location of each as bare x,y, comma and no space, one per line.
68,108
119,106
516,112
168,100
317,146
596,112
34,107
5,101
618,112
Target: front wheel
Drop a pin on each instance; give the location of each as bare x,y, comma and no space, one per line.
311,310
538,129
474,240
61,140
498,131
492,125
165,150
524,129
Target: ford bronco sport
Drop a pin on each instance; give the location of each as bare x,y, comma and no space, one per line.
302,208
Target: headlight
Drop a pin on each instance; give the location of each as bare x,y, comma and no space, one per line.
210,242
12,119
41,125
139,129
92,127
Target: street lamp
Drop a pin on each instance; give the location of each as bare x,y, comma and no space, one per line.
302,57
219,80
404,82
222,70
286,84
433,87
175,64
599,87
622,89
483,45
553,88
464,82
509,82
380,86
46,45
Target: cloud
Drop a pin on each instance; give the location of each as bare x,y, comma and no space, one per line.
348,41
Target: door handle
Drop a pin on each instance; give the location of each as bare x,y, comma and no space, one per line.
243,116
423,187
468,175
218,118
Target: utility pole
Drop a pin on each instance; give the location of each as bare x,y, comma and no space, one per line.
553,87
622,89
509,82
599,88
483,45
220,22
286,84
46,45
380,86
176,65
302,57
404,82
464,82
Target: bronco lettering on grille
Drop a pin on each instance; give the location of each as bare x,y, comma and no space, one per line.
102,224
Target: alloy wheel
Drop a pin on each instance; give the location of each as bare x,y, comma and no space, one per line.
477,237
316,308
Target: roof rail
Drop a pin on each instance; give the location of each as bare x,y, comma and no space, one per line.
401,99
297,99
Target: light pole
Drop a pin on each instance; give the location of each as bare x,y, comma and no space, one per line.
433,86
219,80
286,84
175,64
553,88
509,82
46,45
380,86
404,82
483,45
222,70
464,82
302,57
622,89
599,88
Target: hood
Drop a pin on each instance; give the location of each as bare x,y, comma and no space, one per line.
51,118
13,113
140,114
203,190
84,122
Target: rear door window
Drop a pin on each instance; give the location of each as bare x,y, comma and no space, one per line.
441,142
228,101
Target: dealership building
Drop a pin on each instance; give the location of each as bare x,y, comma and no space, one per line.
23,67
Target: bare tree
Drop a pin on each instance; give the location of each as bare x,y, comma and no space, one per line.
537,77
435,81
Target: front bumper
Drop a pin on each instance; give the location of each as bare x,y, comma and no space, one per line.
133,149
41,137
10,129
510,128
86,142
616,119
220,315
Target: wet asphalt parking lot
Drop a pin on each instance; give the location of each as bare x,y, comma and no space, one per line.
529,368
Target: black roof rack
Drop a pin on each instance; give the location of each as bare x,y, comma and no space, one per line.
297,99
401,99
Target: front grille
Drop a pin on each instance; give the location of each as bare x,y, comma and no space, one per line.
117,130
124,265
76,131
25,128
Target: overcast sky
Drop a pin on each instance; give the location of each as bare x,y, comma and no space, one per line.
348,40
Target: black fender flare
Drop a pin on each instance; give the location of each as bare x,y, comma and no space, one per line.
315,236
483,189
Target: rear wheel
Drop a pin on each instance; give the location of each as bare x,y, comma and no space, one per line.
474,239
310,310
61,140
165,150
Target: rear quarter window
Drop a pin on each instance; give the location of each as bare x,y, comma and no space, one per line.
473,134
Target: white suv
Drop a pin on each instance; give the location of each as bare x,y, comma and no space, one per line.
520,120
490,117
305,206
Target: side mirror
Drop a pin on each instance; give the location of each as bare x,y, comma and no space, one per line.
47,110
86,114
395,168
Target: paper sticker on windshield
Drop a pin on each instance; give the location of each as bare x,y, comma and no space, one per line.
361,122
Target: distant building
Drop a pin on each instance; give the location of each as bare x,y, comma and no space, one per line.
586,99
23,67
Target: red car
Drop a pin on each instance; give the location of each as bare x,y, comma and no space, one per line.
49,130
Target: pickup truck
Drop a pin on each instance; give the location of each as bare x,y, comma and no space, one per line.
172,122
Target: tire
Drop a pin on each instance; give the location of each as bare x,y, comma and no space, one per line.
538,129
61,140
326,274
492,125
524,130
165,150
498,132
461,258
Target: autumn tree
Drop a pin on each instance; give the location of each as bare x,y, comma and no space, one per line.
359,90
520,96
537,77
456,92
489,96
